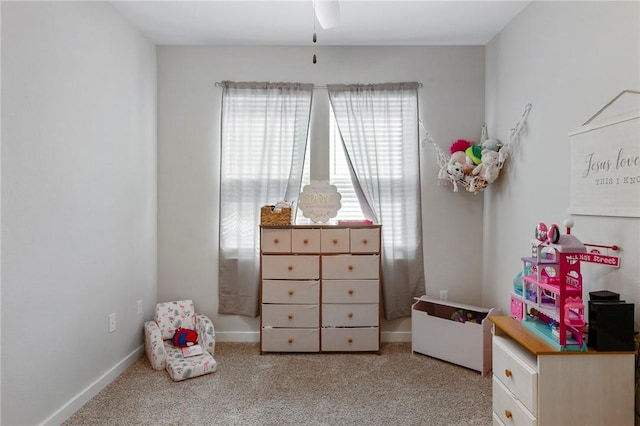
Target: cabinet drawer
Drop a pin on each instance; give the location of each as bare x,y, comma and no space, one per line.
365,240
350,339
335,240
290,339
288,291
517,370
290,316
350,291
275,240
345,266
350,315
305,240
507,408
291,267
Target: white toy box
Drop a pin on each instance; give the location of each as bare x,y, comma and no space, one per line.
453,332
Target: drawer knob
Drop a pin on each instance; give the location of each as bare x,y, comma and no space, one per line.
350,267
350,315
350,292
350,340
365,241
290,316
305,241
508,414
508,372
276,241
290,340
290,292
290,267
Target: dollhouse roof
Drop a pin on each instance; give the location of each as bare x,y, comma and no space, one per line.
569,244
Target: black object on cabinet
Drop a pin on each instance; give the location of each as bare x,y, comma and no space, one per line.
611,325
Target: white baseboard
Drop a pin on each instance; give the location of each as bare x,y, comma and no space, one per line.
254,336
66,411
395,336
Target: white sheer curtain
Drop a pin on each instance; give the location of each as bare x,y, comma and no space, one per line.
263,142
379,129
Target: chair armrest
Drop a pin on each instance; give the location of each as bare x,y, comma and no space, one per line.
206,333
153,346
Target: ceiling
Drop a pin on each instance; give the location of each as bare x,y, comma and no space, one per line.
291,22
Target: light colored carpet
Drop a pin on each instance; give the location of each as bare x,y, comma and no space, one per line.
396,387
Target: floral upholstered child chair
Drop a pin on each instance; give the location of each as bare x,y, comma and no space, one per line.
161,352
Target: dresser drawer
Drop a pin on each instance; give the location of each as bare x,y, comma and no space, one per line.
346,266
508,409
350,315
291,267
517,370
275,240
365,240
305,240
335,240
350,291
290,316
289,291
290,339
350,339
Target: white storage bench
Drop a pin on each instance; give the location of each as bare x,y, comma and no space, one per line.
453,332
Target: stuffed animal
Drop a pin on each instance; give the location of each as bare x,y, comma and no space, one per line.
184,337
476,184
455,174
460,145
489,168
475,153
464,160
492,144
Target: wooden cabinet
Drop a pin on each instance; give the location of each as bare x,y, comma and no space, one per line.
320,288
536,384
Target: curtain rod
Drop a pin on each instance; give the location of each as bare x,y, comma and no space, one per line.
219,84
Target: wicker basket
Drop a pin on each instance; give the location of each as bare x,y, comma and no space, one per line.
269,217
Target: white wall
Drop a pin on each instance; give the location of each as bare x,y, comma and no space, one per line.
451,104
78,202
568,59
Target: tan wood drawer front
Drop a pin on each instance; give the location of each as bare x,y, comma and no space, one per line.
350,339
365,240
350,291
508,409
291,316
335,240
275,240
291,267
346,266
350,315
288,291
290,339
517,370
305,240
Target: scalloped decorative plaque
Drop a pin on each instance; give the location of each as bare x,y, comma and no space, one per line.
319,201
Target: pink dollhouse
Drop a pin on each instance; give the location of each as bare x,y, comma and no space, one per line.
549,302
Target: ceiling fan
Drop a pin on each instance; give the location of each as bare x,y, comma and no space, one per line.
327,13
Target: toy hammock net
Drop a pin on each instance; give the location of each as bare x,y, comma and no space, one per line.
474,166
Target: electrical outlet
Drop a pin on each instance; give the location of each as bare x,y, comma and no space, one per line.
443,295
112,323
140,307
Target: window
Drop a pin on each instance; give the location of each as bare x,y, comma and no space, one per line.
338,172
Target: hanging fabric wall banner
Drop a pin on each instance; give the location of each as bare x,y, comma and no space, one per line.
605,168
474,166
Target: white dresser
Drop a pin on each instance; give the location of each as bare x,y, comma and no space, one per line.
535,384
320,288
